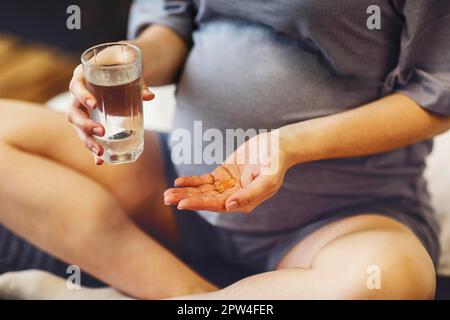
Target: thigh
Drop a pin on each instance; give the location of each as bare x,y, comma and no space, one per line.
348,252
138,186
303,253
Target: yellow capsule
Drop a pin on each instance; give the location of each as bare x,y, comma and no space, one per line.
225,185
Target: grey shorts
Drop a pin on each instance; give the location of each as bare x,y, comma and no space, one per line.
261,251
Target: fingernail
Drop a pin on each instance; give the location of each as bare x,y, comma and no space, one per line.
94,149
90,103
147,92
98,131
232,205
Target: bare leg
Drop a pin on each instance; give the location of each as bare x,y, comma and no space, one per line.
338,261
41,285
136,186
53,195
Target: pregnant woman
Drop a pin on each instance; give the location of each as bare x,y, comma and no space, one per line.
346,213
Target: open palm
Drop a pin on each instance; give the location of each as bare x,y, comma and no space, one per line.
232,186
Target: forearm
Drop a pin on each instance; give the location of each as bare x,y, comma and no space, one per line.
386,124
163,54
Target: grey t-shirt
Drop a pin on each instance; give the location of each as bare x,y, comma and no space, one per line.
265,64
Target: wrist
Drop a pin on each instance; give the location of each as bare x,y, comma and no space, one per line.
141,44
285,145
297,145
153,69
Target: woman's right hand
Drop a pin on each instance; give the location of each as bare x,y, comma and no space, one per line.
82,102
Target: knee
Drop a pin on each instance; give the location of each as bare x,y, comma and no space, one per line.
400,269
377,264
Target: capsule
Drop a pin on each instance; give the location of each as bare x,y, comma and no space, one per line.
225,185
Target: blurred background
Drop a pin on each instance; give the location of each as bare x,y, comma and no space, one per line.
38,52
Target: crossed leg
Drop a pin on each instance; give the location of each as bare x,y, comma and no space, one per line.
340,261
53,195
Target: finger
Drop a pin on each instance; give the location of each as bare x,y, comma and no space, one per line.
251,195
191,190
91,144
78,88
208,203
194,181
174,198
175,195
147,95
98,161
79,118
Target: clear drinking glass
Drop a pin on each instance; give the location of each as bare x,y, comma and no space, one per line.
112,72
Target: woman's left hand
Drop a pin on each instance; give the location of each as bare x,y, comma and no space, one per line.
251,175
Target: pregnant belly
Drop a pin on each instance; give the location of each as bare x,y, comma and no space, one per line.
249,76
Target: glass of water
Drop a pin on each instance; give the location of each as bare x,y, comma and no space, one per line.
112,72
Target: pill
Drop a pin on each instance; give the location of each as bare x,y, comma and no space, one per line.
225,185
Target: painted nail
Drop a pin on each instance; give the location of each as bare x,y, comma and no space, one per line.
98,131
94,149
90,103
98,161
232,205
